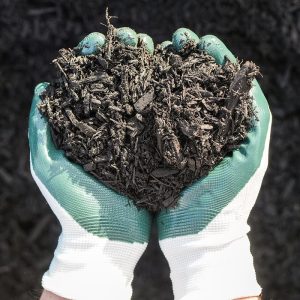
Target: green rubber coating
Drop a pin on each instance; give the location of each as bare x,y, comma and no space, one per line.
183,35
91,44
147,41
216,48
165,44
200,203
127,35
98,209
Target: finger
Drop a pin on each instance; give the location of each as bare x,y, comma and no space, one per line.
165,44
216,48
91,44
147,41
35,116
42,149
182,36
127,36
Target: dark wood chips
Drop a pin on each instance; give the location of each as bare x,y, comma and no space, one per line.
148,125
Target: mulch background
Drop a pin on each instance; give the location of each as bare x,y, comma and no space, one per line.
31,32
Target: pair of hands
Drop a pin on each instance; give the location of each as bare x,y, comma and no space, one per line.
204,239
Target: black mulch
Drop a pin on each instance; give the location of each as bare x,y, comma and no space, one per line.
267,32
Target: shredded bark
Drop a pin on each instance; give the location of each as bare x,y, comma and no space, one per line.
148,125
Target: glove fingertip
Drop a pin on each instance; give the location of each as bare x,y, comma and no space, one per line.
40,88
165,44
35,116
91,43
38,91
127,36
182,36
147,41
216,48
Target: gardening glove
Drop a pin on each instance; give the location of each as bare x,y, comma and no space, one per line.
205,238
103,235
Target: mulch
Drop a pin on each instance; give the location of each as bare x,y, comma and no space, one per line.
266,32
148,125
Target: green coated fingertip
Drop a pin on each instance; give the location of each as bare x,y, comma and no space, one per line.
91,44
40,88
127,36
165,44
182,36
216,48
147,41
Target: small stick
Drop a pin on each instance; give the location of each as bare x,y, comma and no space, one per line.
86,129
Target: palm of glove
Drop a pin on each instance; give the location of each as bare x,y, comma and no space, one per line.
203,201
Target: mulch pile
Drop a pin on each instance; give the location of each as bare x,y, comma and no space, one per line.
148,125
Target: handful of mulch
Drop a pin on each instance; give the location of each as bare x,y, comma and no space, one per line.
148,125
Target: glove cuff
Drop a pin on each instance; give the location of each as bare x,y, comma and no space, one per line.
223,272
96,268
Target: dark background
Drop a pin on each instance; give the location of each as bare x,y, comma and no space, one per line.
31,32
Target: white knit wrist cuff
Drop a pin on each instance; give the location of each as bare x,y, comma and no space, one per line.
98,269
212,273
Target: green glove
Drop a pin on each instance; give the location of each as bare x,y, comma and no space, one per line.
205,238
103,235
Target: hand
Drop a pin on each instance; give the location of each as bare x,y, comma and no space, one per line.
103,236
205,238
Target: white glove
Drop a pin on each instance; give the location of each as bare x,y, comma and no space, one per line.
205,238
102,236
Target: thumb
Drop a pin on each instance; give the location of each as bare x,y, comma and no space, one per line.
216,48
